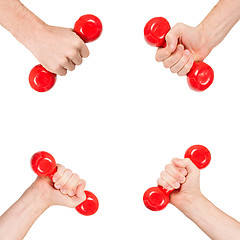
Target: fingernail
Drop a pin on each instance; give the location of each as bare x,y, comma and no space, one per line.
181,179
57,186
176,185
64,191
187,53
183,171
180,47
71,194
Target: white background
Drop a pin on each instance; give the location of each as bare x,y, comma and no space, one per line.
117,120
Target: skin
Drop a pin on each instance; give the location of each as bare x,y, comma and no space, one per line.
187,44
58,49
67,189
184,176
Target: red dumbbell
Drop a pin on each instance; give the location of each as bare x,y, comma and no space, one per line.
200,76
44,165
88,28
157,198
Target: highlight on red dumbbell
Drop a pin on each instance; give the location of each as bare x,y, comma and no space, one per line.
88,28
157,198
44,165
200,76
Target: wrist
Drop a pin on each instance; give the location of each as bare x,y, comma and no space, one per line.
38,197
206,41
192,204
28,30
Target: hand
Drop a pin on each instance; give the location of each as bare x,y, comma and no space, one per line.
66,189
185,45
183,176
58,49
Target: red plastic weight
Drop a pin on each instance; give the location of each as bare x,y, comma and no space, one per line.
44,165
157,198
88,28
200,76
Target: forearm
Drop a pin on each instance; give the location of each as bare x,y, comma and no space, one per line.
211,220
19,21
220,21
18,219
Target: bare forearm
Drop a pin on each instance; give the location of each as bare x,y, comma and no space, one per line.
18,219
19,21
211,220
220,21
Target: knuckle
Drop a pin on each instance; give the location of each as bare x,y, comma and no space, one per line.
178,25
173,70
62,190
166,64
77,42
72,67
63,72
162,174
180,74
75,175
60,167
167,167
158,59
56,68
82,181
183,70
79,62
85,54
69,171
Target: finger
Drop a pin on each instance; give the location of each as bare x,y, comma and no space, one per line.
162,54
77,58
80,192
187,67
175,57
79,44
69,65
59,173
183,61
61,71
63,180
71,185
171,170
164,184
170,180
84,50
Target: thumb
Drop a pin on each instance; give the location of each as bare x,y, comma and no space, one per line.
173,36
